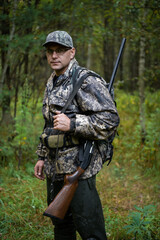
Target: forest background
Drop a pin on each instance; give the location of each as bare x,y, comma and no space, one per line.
129,186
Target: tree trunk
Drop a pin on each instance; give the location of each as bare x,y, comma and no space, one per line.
5,83
89,56
108,49
141,87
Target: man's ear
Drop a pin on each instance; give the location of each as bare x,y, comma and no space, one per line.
73,52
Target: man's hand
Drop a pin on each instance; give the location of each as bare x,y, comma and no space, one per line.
38,170
61,122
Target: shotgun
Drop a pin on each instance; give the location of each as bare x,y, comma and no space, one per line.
59,206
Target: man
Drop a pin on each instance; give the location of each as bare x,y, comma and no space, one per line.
91,115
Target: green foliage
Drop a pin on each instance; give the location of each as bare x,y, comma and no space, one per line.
20,141
142,223
153,133
149,151
28,129
147,154
113,223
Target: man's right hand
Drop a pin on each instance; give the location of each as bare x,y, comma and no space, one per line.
38,170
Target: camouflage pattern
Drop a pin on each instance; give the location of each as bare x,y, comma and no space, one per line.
60,37
95,117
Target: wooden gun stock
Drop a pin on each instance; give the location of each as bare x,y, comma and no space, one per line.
59,206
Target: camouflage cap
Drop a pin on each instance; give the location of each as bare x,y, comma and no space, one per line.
60,37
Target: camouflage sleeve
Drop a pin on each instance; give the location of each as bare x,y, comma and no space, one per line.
99,117
41,151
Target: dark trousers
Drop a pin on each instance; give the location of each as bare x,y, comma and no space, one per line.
85,214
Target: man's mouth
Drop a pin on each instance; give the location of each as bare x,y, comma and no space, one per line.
54,62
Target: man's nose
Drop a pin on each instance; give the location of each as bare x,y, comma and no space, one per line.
54,54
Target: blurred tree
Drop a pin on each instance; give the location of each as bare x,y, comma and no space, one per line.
8,31
142,31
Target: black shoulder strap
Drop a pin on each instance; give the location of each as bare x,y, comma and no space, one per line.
75,86
86,149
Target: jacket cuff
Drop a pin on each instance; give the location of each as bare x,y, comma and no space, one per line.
72,125
41,158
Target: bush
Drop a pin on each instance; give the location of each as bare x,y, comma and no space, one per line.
21,139
143,224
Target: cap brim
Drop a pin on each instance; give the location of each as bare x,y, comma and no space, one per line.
46,43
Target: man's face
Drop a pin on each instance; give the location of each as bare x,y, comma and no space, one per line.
59,57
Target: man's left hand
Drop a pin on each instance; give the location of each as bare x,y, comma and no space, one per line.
61,122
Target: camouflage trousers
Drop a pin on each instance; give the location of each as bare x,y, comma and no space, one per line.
85,214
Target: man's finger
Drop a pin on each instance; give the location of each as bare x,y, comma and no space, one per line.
38,170
58,112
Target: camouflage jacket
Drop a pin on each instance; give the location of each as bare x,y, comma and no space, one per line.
93,116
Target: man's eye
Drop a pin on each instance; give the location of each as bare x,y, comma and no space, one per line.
59,50
49,51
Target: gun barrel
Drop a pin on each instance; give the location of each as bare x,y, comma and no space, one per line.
116,65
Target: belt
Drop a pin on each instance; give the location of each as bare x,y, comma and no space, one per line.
61,140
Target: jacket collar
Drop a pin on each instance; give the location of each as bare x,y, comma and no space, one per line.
67,75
